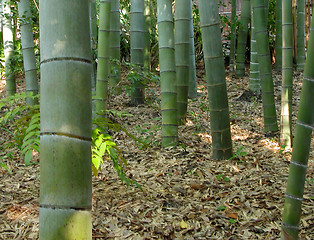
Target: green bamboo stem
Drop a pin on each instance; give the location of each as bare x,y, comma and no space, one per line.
114,48
255,83
93,39
167,73
278,43
182,56
147,29
265,68
233,33
103,56
29,59
8,46
65,109
242,38
192,78
137,48
301,148
216,82
300,35
287,70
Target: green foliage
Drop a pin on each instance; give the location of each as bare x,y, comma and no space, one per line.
238,154
140,76
5,167
24,122
222,177
221,208
25,130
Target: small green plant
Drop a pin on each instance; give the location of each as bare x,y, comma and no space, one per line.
104,147
221,208
24,121
233,221
238,154
282,150
222,177
5,167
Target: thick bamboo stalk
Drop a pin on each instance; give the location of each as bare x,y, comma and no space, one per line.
8,48
287,70
301,148
103,56
167,73
278,43
300,35
267,86
233,33
216,82
29,59
114,48
192,78
137,48
242,38
65,109
182,53
255,83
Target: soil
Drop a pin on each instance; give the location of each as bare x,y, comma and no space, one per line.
186,194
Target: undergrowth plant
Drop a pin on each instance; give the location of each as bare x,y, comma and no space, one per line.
21,121
25,130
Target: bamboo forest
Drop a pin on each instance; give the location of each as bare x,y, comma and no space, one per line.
156,119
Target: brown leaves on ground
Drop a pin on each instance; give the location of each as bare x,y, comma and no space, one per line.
186,195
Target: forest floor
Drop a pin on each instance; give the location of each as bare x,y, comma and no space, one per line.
186,194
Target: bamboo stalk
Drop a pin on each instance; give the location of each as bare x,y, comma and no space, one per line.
216,81
301,148
168,84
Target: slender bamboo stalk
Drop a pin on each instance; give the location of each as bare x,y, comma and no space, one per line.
167,73
287,65
114,48
255,83
267,86
216,82
182,50
7,34
65,112
147,29
300,35
233,33
294,29
93,40
242,38
278,43
137,48
301,148
103,56
192,78
29,60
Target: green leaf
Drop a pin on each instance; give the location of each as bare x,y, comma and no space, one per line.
231,220
28,157
27,142
226,179
221,208
219,177
5,167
